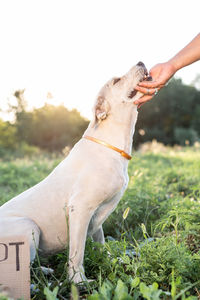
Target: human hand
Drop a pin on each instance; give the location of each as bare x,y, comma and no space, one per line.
160,73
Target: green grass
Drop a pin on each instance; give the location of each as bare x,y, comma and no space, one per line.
154,253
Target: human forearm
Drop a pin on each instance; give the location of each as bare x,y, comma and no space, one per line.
161,73
187,55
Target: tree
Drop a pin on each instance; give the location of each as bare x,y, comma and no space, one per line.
176,106
8,139
50,127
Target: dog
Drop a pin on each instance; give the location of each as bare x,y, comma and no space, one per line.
82,191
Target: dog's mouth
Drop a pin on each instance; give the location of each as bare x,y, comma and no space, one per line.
146,77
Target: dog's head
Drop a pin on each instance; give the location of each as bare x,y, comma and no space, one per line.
118,91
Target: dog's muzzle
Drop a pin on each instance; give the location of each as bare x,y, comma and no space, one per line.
146,77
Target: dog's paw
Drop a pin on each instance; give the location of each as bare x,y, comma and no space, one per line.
78,278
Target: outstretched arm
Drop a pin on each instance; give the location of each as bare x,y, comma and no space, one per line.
162,72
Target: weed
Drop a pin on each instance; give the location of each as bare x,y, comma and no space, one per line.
152,248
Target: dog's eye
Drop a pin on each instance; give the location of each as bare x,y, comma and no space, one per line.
115,80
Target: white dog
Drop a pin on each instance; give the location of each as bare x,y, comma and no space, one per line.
81,192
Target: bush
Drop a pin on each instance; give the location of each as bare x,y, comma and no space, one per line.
22,150
8,138
185,136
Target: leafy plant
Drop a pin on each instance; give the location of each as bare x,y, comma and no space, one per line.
152,248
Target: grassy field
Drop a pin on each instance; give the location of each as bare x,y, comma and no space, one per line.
152,248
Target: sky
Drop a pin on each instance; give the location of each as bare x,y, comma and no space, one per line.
63,51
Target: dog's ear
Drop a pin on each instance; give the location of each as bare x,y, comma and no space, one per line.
102,108
115,80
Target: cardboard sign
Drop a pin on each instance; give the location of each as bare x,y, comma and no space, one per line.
15,266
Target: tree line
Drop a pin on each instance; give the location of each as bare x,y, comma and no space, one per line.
172,117
50,127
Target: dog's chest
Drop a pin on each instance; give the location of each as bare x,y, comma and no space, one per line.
105,209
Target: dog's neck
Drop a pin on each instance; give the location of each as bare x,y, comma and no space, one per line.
116,130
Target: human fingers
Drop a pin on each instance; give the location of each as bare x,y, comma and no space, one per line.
150,84
147,91
143,100
160,73
139,105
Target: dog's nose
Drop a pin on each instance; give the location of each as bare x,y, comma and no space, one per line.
141,64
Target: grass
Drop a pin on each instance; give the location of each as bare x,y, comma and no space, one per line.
152,248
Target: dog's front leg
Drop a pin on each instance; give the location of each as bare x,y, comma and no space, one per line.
98,236
79,218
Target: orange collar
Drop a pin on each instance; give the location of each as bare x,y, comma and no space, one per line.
124,154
